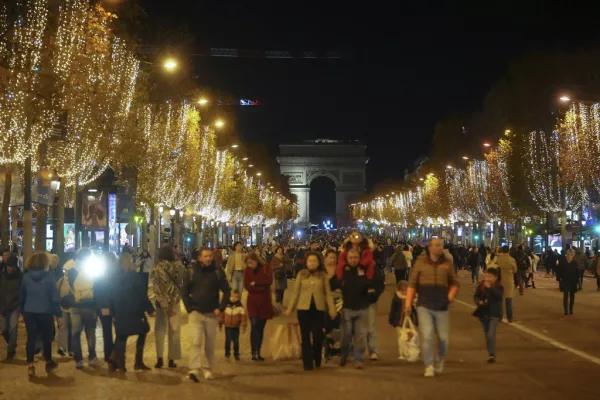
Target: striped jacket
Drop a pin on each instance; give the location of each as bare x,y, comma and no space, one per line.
431,280
234,316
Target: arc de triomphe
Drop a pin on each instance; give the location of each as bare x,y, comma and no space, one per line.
344,162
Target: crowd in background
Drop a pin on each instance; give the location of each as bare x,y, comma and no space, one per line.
338,277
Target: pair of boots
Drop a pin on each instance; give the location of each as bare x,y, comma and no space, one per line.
256,356
117,362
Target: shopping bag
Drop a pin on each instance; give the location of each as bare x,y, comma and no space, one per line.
408,341
286,343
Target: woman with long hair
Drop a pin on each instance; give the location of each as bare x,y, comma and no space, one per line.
39,302
258,278
166,283
279,274
312,297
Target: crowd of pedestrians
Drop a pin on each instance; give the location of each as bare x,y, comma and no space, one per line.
336,283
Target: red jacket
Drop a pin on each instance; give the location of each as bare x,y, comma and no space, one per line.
259,295
366,260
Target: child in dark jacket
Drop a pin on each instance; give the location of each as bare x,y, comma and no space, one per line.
488,297
396,317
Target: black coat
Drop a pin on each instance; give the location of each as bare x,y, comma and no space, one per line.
129,302
10,288
568,276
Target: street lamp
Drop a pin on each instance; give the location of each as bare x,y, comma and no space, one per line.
251,166
235,146
160,214
487,145
170,64
465,158
245,159
172,214
203,102
259,173
449,166
219,123
565,99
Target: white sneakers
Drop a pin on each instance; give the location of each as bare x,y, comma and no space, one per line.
374,357
431,371
208,375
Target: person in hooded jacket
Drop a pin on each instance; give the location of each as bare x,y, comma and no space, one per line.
39,303
129,306
10,286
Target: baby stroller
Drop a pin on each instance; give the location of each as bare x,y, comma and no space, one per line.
333,332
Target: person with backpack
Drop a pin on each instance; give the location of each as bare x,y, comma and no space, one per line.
39,303
200,294
83,309
400,264
522,268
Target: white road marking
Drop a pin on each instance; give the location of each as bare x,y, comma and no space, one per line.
546,339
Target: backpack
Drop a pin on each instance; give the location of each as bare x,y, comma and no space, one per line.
66,299
399,261
83,289
523,263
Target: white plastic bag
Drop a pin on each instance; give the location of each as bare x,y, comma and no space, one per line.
408,341
286,343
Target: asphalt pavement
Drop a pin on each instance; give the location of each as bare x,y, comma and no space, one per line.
543,355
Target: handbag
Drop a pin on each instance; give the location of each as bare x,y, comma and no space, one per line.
408,341
286,343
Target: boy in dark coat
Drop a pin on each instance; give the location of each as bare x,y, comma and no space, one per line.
488,297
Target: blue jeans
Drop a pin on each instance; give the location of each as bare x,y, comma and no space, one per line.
83,319
509,312
489,329
354,326
372,329
9,326
430,321
237,281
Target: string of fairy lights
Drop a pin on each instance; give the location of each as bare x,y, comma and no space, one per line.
559,169
64,60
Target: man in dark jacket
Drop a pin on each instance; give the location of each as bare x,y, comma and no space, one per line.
201,287
550,262
10,286
388,252
355,314
5,255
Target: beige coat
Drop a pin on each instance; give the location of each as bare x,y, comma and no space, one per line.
309,286
508,268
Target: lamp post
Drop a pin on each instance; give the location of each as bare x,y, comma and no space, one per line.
172,214
160,214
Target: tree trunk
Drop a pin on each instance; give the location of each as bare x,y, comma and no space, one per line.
40,228
27,218
59,229
5,218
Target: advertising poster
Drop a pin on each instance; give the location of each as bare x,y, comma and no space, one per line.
537,244
93,212
69,232
112,222
555,242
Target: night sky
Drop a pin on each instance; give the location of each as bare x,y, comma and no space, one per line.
402,70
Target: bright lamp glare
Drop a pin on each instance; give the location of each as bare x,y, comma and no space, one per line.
94,266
